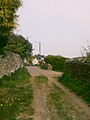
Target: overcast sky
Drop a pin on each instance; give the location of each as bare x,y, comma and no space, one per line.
62,26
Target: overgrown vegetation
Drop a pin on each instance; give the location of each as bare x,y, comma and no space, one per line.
19,45
57,62
44,66
79,86
8,22
16,96
8,17
77,77
78,69
41,79
77,74
64,110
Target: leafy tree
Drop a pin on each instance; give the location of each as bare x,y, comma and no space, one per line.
18,44
57,62
8,18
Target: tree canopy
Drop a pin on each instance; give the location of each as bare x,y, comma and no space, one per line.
57,62
8,19
18,44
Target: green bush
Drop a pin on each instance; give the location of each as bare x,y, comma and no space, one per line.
79,86
20,75
16,95
44,66
77,77
78,69
57,62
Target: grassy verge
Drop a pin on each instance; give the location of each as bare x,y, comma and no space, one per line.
44,66
16,96
57,101
41,79
80,87
61,106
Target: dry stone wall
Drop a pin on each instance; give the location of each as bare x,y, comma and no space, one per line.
78,69
10,64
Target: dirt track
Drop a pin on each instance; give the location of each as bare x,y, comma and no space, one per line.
80,111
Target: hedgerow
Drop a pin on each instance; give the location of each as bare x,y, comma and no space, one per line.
57,62
77,77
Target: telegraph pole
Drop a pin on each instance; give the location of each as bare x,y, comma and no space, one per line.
39,48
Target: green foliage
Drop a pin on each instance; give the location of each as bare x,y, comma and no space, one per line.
8,17
18,44
18,76
77,78
79,86
41,79
44,66
15,95
63,108
57,62
78,69
88,56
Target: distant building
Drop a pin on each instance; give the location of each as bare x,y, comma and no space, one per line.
35,61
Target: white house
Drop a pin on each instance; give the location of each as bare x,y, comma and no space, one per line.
35,61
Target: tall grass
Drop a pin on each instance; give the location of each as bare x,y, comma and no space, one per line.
80,87
16,96
18,76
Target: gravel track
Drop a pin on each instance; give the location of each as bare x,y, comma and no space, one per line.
42,91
